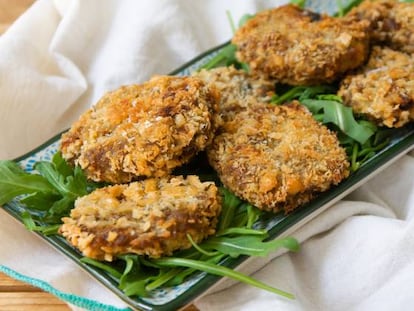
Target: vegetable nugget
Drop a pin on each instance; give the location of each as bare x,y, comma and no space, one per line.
300,47
391,22
150,217
143,130
238,89
277,157
383,90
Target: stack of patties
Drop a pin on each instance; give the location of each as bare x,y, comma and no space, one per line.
137,135
276,157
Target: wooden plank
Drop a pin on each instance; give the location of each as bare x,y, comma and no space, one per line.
10,10
8,284
30,301
16,296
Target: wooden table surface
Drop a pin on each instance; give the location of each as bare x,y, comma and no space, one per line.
15,295
18,296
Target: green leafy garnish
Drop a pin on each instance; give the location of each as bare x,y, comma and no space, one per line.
299,3
15,181
344,9
301,93
101,265
243,20
218,270
250,245
336,113
48,195
31,225
226,57
231,22
227,214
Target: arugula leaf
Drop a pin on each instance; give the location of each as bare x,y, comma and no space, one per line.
251,245
39,201
101,265
14,181
243,231
61,165
299,3
301,93
48,195
217,270
70,187
230,202
342,116
344,9
253,214
226,57
243,20
30,225
200,249
135,278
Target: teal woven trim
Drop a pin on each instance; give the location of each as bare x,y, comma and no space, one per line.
78,301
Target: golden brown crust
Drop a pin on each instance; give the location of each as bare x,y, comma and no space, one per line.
300,47
150,217
383,89
238,89
143,130
391,22
277,157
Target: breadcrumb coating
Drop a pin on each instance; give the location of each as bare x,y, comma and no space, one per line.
238,89
143,130
391,22
277,157
150,217
300,47
383,89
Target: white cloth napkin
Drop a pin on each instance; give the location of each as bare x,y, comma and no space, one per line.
62,55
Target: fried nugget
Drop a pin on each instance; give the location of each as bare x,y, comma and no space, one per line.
150,217
300,47
391,22
143,130
238,89
383,90
277,157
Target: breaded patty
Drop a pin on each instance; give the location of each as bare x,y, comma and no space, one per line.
391,22
143,130
277,157
238,89
300,47
383,89
150,217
